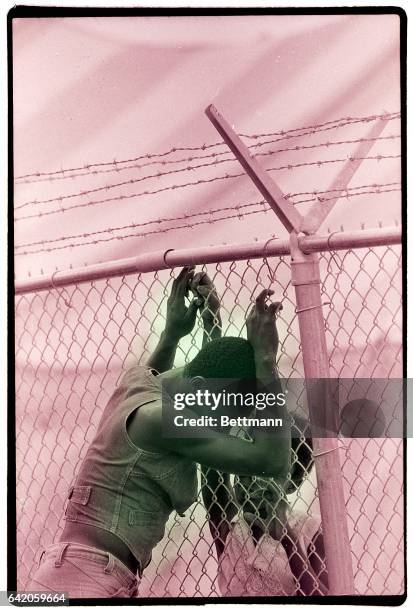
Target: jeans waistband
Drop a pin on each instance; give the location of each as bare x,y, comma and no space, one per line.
113,565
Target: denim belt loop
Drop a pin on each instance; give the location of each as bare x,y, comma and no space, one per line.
60,553
110,565
39,556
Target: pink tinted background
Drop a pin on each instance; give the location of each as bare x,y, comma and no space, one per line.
96,89
91,90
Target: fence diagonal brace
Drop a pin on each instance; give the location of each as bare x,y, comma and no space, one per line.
288,215
319,211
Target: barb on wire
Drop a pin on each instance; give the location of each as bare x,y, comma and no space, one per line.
318,163
283,134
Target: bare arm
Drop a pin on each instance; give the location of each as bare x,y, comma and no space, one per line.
317,558
163,356
204,289
262,334
220,451
180,320
219,503
309,571
264,456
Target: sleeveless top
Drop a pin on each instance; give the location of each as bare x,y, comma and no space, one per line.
126,490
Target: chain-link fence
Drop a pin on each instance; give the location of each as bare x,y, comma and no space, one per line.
74,342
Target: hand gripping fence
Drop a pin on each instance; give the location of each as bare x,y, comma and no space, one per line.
78,331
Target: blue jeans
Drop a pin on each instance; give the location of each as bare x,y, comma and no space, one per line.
81,571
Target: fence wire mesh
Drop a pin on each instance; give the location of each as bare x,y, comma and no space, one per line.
74,343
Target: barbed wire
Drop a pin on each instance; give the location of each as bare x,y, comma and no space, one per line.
136,234
332,124
317,192
164,163
316,196
379,157
284,134
197,166
263,208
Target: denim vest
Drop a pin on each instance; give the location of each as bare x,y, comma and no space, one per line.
123,489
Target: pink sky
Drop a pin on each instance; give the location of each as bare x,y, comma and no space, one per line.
96,89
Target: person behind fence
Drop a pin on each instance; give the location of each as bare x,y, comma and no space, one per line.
265,547
132,477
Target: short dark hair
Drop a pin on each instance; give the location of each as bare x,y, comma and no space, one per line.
228,357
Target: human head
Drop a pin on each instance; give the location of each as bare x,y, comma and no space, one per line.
228,357
263,501
226,364
263,504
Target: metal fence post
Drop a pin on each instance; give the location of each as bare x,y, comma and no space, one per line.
305,276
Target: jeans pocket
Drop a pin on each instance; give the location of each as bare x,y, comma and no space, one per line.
141,518
80,494
40,586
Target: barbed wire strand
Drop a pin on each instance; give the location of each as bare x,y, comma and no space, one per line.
318,163
187,225
158,175
316,197
215,155
312,129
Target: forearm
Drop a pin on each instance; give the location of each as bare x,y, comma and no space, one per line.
212,329
265,367
268,382
309,581
219,503
163,357
217,493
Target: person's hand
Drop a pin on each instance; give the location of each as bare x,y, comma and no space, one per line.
261,328
180,319
203,288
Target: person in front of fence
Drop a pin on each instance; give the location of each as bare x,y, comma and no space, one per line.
264,547
132,477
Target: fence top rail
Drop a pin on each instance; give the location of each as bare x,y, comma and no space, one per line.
171,258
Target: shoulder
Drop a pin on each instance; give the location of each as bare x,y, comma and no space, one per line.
131,373
138,378
144,425
149,415
142,400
